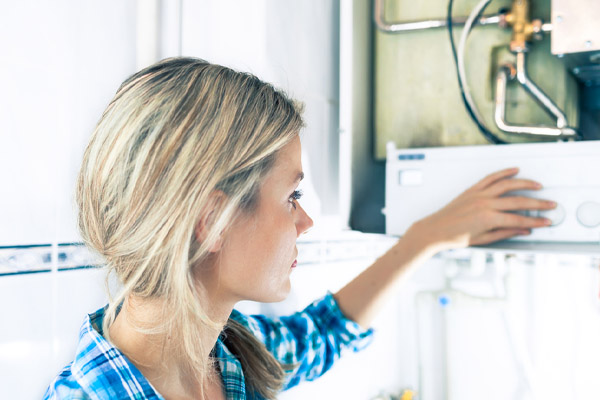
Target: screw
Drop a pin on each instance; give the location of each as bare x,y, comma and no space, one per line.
576,71
560,55
588,43
559,18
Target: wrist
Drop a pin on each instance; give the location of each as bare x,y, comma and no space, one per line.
423,238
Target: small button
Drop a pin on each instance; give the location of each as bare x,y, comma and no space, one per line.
556,215
410,177
588,214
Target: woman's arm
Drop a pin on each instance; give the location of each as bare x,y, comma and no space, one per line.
478,216
307,343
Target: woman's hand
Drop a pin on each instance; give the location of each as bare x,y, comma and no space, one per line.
480,214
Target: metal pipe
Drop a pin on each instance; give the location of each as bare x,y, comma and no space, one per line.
504,74
538,94
408,26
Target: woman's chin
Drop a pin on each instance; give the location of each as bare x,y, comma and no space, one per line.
276,295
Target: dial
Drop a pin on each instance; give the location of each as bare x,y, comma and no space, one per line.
588,214
556,215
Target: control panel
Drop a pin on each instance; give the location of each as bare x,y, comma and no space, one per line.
421,181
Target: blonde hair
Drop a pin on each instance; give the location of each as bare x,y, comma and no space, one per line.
174,133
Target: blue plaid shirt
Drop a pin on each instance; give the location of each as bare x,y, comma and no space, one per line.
311,340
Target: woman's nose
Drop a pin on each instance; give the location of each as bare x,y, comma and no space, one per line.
304,222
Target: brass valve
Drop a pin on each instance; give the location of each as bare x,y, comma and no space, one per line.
523,27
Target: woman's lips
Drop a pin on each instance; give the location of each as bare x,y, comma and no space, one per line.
294,264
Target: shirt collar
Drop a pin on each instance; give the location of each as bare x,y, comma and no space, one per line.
105,373
102,370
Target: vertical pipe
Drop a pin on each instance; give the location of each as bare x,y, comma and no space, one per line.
345,110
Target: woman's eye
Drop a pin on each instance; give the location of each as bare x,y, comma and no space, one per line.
296,195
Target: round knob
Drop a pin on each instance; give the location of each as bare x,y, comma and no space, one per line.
588,214
556,215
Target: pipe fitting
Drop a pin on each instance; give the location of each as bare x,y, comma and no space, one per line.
523,28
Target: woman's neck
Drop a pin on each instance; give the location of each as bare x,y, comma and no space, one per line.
155,355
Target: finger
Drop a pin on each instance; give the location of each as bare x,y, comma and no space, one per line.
510,185
513,203
509,220
499,234
490,179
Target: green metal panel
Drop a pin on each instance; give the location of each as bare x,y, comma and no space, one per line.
417,99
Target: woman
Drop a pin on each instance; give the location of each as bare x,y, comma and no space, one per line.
188,190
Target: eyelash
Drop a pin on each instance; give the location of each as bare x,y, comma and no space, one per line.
295,196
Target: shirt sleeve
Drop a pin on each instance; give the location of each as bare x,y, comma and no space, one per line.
308,342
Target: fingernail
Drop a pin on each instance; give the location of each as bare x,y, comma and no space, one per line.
552,203
547,221
538,185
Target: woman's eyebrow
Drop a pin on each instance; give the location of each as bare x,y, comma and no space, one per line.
299,177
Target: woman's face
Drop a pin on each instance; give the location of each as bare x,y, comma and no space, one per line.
259,250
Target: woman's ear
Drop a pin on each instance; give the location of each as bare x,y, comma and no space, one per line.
206,220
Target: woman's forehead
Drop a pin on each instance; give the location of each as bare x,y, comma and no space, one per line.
288,164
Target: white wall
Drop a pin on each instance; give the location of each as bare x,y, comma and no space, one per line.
67,59
294,45
62,62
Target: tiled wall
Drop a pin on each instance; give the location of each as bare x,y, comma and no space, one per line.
45,258
40,318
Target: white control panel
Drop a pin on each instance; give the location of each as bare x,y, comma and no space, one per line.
421,181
